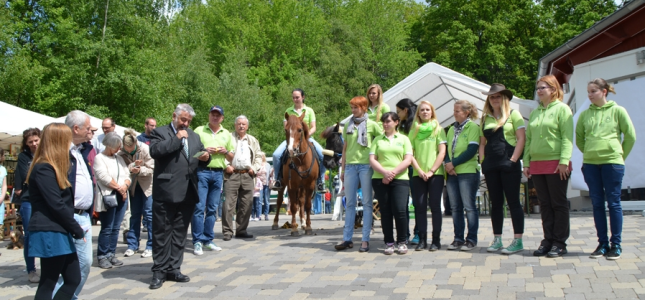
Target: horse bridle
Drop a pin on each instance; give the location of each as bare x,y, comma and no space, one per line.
297,155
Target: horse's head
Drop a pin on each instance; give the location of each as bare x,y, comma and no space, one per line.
334,142
296,132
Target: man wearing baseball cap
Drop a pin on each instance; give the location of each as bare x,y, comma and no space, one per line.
218,142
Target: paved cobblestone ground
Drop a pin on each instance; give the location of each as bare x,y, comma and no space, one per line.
275,265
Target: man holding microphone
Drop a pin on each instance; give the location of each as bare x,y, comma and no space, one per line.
218,142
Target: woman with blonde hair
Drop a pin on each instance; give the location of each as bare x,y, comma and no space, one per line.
52,226
463,174
501,146
136,155
376,107
547,154
429,148
600,128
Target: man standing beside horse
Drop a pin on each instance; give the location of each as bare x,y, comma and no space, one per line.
240,180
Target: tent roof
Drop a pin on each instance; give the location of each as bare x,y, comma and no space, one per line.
14,120
442,87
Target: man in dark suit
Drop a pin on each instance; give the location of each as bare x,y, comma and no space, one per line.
175,149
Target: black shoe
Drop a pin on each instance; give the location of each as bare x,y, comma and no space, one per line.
115,262
320,188
436,241
243,236
157,281
361,249
614,252
277,185
456,245
344,245
600,251
227,237
542,251
177,277
557,251
423,242
435,246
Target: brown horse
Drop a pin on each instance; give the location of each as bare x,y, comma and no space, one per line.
299,172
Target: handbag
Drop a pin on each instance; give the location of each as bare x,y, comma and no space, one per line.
110,200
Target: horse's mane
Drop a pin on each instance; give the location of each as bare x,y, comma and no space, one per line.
293,121
327,132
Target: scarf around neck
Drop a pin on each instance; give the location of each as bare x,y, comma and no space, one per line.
361,125
426,129
458,128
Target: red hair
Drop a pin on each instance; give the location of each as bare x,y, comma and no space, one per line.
359,101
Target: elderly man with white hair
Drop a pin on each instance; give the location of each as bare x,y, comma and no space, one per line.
240,180
178,153
81,178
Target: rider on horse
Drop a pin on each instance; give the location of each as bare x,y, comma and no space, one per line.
298,96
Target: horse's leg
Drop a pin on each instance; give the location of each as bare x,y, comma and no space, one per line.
293,205
308,196
277,210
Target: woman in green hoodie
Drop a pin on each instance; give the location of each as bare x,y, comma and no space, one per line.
549,142
598,136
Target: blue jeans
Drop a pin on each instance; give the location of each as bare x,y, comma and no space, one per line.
256,209
25,213
84,252
139,205
462,191
265,197
317,206
277,155
110,226
355,175
604,182
209,190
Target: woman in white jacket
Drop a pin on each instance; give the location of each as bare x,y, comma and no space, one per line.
112,176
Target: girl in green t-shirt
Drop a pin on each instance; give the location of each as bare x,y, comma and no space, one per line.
390,155
356,171
429,146
598,136
463,174
376,106
501,146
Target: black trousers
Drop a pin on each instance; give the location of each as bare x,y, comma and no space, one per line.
169,230
51,267
505,183
554,208
424,193
393,202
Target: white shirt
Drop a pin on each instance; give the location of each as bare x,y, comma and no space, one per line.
83,191
242,158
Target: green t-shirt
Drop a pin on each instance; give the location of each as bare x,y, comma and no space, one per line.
469,135
426,151
310,116
222,138
514,123
371,112
390,153
355,154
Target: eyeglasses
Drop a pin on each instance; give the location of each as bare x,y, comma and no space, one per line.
106,128
542,88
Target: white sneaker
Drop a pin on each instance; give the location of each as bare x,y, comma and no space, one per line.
146,253
212,247
198,249
128,253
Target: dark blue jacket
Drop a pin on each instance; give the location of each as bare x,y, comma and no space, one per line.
71,176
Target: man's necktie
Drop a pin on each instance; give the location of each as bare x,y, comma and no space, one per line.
183,141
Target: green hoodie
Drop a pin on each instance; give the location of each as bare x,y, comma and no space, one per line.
598,134
549,135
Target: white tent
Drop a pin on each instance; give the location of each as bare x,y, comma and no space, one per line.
96,122
14,120
442,87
